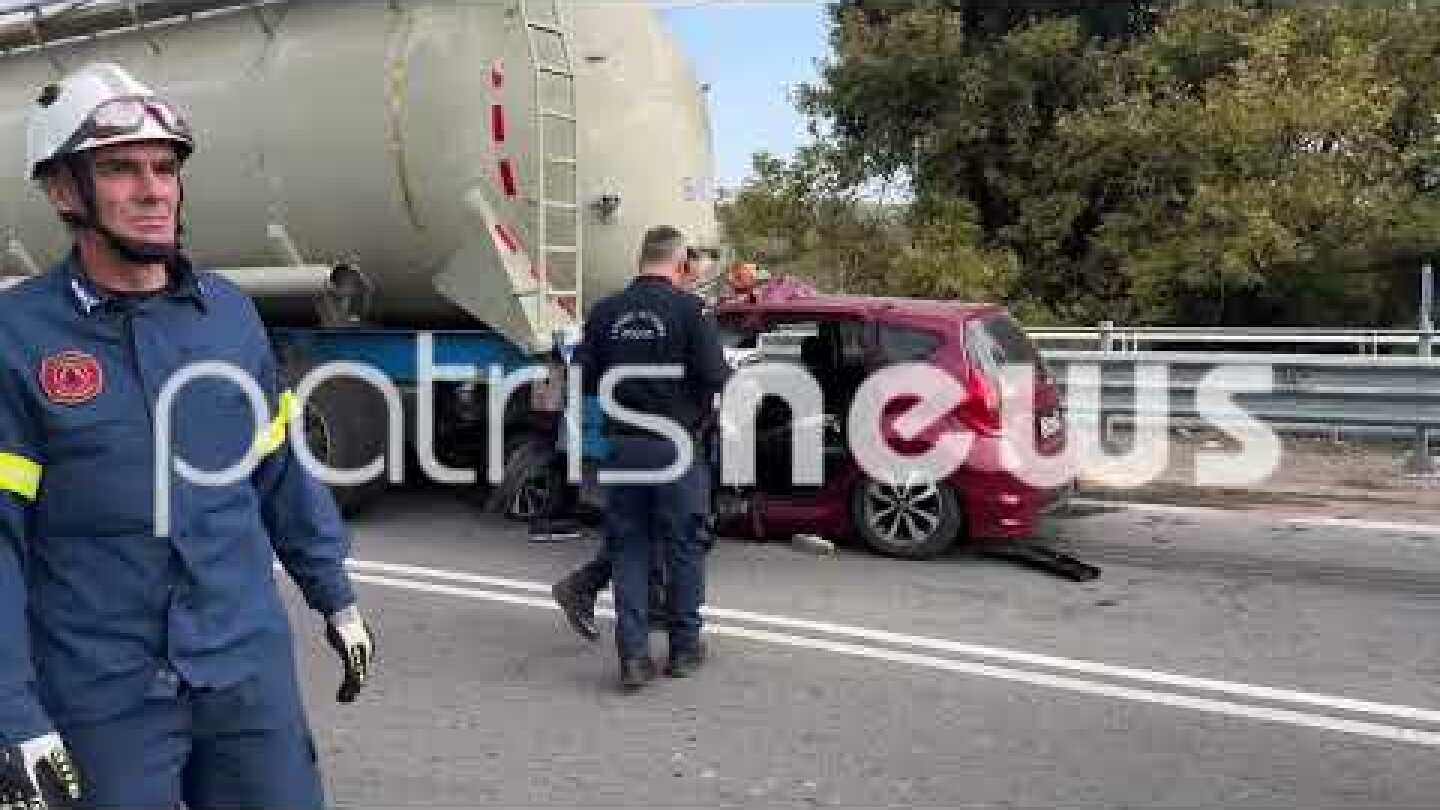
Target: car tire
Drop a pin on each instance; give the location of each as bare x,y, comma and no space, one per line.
912,522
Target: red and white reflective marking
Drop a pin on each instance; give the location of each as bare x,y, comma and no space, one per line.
507,178
497,122
506,238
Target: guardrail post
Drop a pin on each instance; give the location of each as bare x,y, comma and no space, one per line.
1107,336
1420,462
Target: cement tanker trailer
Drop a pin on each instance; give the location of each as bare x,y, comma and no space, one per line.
372,171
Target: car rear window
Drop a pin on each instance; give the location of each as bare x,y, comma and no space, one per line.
1000,341
901,344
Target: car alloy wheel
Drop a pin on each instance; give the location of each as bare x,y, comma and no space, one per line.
904,514
914,519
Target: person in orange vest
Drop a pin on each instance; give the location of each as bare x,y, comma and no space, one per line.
742,279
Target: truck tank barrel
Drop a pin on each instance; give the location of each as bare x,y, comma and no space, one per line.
404,142
23,29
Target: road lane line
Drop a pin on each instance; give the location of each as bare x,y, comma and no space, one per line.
449,590
961,648
1294,718
453,576
1368,525
1164,508
1388,526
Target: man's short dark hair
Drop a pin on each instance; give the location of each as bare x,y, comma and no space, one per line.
660,243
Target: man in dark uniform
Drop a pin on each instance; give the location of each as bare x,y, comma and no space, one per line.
577,592
142,667
656,322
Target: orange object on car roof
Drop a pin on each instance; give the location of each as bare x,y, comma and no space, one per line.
743,276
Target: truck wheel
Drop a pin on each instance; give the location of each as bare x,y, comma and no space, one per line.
544,489
911,521
345,428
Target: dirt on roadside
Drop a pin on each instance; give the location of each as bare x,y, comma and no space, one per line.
1342,478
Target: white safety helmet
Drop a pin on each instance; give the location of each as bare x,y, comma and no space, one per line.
100,105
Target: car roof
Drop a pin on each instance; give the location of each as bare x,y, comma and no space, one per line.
897,310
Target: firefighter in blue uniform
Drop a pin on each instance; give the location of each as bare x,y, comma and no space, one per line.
143,668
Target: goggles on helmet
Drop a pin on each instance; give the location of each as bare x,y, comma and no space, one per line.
126,115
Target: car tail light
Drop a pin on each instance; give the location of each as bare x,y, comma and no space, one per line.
983,399
984,406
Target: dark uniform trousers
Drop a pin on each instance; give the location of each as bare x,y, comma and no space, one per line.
243,746
642,520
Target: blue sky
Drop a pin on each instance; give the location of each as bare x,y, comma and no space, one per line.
752,54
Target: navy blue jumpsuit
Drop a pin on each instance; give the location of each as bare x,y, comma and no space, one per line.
165,663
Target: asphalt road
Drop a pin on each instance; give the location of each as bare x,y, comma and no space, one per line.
1223,660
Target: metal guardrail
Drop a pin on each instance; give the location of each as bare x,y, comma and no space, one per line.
1109,337
1392,392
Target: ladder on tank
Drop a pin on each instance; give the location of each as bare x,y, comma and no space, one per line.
556,199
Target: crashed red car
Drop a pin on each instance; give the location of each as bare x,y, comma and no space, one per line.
841,340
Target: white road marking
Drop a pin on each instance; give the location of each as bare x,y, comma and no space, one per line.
945,645
1304,719
1297,520
1367,525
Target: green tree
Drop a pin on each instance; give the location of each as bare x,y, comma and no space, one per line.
793,217
1218,162
1276,182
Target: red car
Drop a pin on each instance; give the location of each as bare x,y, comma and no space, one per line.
843,339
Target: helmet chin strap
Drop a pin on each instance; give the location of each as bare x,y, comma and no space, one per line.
131,250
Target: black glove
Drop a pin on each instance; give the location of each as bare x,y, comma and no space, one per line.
351,639
37,774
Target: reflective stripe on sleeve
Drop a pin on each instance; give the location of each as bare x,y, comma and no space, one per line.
20,475
274,435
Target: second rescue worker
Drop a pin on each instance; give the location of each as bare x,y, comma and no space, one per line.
655,321
139,671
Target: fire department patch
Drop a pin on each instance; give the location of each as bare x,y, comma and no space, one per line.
71,378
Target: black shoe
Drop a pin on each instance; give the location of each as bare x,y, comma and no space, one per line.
578,607
544,531
683,664
636,673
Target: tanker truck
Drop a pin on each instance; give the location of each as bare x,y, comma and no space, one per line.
383,177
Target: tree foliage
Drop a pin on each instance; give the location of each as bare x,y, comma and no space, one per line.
1210,163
